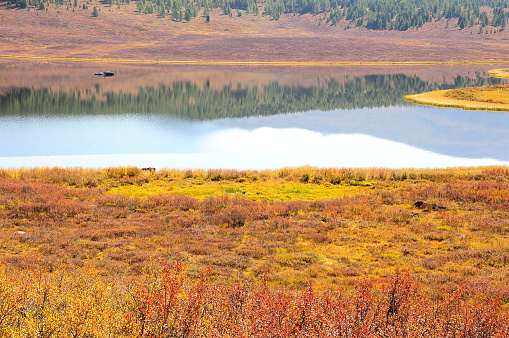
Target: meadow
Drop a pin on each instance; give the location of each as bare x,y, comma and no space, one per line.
294,252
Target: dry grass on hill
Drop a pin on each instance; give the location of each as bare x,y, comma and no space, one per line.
122,33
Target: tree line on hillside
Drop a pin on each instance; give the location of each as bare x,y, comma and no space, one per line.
187,100
373,14
396,14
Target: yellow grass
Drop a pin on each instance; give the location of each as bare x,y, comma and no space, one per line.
278,190
495,95
500,72
247,63
297,224
440,99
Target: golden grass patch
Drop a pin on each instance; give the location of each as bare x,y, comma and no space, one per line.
495,95
276,189
499,72
494,98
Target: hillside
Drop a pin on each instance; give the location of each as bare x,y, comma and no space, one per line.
121,32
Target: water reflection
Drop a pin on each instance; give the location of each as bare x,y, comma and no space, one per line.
339,121
192,101
86,135
454,132
269,148
242,143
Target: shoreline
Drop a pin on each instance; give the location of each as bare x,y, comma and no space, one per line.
256,63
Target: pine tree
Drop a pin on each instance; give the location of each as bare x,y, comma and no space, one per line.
189,13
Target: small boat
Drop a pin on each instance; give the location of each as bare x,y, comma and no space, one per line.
105,74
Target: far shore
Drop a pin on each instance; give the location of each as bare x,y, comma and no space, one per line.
264,63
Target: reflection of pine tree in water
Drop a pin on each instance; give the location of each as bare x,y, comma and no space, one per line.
189,101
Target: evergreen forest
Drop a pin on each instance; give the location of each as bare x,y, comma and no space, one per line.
397,15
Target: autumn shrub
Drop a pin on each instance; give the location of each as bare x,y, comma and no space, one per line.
349,239
256,252
119,201
183,203
319,238
162,302
279,223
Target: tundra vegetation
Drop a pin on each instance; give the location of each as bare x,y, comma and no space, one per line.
372,14
490,97
302,252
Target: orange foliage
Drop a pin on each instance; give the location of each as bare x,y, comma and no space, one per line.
83,262
166,303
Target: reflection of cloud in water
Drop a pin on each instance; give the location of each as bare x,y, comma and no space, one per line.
455,132
270,148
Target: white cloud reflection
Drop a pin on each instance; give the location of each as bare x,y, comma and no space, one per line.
269,148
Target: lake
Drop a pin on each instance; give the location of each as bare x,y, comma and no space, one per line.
60,114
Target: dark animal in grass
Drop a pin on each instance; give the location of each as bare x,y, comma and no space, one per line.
149,169
420,204
105,74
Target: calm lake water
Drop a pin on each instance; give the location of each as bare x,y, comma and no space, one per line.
197,117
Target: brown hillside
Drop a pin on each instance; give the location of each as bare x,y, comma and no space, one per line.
122,33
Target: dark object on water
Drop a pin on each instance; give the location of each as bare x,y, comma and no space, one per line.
149,169
105,74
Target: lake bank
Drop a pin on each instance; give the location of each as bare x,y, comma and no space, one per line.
254,62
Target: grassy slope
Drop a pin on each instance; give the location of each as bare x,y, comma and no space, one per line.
125,34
